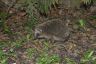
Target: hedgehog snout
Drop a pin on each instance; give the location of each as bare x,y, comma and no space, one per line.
36,36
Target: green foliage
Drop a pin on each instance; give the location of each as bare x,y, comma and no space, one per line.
82,23
11,45
69,61
30,52
3,58
93,17
87,1
88,57
45,5
32,20
35,7
3,16
18,43
42,5
46,59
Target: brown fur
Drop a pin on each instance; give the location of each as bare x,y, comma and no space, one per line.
54,29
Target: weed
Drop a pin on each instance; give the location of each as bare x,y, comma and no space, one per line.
87,1
88,57
3,16
30,52
35,7
3,57
6,52
47,59
82,23
69,61
93,17
11,46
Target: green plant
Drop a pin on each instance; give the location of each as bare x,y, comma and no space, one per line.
93,17
48,59
32,19
44,55
30,52
21,41
82,24
69,61
6,53
87,1
88,57
35,7
45,5
3,58
3,16
42,5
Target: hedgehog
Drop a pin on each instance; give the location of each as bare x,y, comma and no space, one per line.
54,29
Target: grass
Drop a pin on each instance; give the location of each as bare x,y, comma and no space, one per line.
82,23
43,53
89,57
69,60
31,52
48,59
3,18
6,51
43,56
3,58
7,48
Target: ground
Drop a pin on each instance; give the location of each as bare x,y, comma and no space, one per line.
19,47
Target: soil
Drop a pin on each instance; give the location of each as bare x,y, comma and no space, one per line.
81,39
